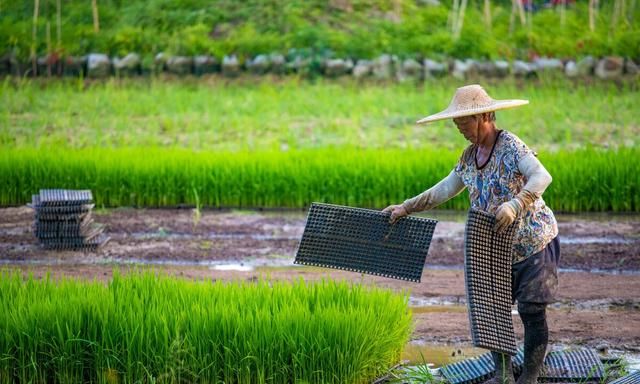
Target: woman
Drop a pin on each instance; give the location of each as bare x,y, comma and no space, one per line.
504,178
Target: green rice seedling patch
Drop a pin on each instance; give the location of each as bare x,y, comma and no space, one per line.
149,327
583,180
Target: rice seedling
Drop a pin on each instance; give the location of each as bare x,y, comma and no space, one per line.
148,327
584,180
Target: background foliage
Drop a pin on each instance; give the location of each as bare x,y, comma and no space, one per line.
356,28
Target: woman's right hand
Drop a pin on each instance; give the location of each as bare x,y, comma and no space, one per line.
396,211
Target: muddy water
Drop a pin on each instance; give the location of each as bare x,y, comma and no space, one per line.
419,352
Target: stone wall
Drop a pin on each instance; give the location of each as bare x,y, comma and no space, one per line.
384,67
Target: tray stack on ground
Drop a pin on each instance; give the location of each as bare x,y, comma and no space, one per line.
63,220
362,240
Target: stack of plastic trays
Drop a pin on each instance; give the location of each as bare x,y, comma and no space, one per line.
63,220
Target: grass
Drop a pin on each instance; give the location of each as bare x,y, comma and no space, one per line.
271,114
584,180
270,142
148,327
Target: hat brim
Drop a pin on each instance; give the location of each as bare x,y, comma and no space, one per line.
494,106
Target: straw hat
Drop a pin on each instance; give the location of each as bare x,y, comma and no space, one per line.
470,100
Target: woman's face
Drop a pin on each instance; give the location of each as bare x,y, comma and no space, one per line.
468,126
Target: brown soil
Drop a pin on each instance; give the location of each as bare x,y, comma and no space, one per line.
599,293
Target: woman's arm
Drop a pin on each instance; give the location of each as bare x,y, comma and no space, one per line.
538,179
447,188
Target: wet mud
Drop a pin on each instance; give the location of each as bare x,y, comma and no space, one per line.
599,282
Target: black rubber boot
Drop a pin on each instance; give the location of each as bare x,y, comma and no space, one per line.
536,338
504,370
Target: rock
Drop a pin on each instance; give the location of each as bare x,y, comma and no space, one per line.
485,68
230,66
362,69
383,67
630,67
204,64
337,67
259,65
48,65
278,63
545,64
571,69
610,67
5,64
523,69
462,69
160,62
98,65
14,66
128,65
180,65
585,66
434,69
299,64
74,65
410,69
501,68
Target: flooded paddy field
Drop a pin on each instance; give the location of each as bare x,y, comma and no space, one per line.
598,299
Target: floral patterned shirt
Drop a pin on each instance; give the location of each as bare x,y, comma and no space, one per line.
499,180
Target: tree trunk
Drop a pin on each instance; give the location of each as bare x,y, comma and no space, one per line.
523,17
460,19
34,36
618,7
453,22
58,26
530,20
397,9
48,48
512,17
487,14
593,13
96,17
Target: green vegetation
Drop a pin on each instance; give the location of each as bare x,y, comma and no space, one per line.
362,28
156,329
289,143
584,180
269,114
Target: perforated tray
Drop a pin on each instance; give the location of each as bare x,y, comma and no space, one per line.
632,378
58,209
85,238
62,197
475,370
48,229
362,240
572,365
85,245
488,281
559,366
53,217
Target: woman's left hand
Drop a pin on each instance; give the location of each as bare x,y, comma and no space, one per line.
505,215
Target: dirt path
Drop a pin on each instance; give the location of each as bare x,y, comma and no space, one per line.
598,304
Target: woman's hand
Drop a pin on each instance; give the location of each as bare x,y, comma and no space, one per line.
397,212
505,215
